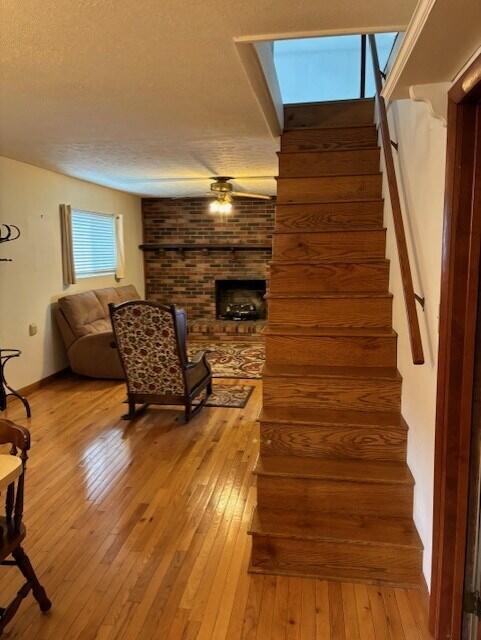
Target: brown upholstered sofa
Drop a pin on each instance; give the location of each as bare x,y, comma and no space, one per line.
84,322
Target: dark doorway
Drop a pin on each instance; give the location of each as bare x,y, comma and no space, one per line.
455,571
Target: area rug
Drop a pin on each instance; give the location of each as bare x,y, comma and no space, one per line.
233,359
230,396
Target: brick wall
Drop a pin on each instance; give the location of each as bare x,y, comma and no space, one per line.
189,281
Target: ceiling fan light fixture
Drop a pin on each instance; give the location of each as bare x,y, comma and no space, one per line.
214,206
222,204
225,207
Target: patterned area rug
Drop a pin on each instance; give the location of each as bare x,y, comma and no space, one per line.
231,396
233,359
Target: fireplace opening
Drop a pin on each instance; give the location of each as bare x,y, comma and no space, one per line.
240,299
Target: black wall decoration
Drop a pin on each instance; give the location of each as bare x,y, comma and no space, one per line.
8,232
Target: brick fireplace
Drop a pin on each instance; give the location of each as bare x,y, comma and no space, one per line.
180,273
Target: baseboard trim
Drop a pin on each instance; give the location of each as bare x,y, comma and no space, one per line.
43,382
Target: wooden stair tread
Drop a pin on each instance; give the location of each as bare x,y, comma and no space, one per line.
329,162
329,202
330,417
335,260
328,188
335,576
327,103
336,528
333,177
340,229
348,470
352,125
336,294
363,214
333,230
300,330
328,113
321,151
309,371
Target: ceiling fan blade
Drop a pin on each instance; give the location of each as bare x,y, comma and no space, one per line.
247,194
206,195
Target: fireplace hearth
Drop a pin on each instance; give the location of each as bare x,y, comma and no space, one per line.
240,300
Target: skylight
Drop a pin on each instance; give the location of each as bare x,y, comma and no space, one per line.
327,68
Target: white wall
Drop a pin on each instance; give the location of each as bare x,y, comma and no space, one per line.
420,171
30,198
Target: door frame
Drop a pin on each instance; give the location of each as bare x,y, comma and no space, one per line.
457,332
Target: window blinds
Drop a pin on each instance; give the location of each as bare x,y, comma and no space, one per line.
94,246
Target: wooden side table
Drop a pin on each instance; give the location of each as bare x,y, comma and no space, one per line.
5,389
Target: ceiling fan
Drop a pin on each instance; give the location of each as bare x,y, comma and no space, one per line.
224,192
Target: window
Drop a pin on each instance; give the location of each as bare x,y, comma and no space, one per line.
384,43
315,69
326,68
93,243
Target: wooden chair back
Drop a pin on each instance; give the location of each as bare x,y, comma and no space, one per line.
19,439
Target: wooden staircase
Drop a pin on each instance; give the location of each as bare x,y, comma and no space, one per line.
334,492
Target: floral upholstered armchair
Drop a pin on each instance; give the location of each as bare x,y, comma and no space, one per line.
151,340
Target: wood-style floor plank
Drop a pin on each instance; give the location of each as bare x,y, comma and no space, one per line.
139,531
364,612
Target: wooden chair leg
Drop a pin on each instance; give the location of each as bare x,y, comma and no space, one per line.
29,574
131,411
8,612
188,411
134,411
191,410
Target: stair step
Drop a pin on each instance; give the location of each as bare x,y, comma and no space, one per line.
323,371
338,113
322,163
273,329
330,418
339,188
369,530
357,309
337,295
323,216
305,277
329,245
328,260
334,350
338,388
360,487
344,547
330,139
332,434
343,470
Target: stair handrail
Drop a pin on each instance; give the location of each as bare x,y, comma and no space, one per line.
406,275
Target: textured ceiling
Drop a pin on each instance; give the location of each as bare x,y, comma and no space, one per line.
142,95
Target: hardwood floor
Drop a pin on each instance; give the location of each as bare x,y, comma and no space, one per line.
140,531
